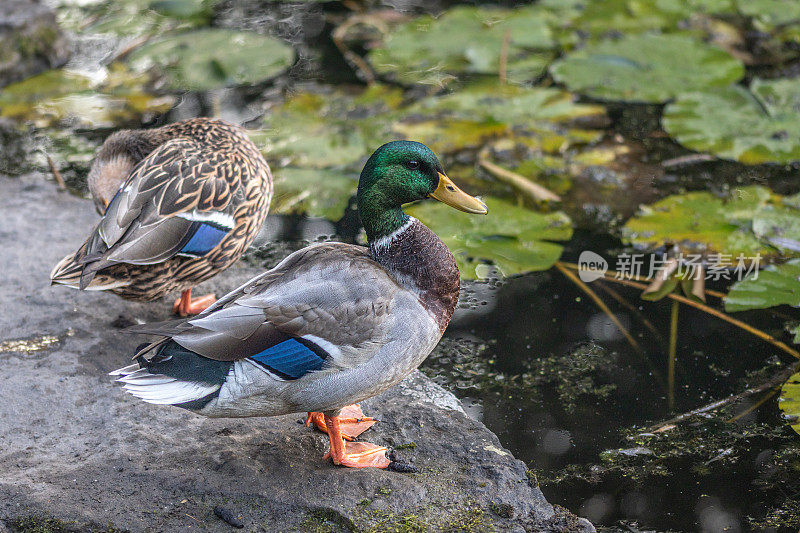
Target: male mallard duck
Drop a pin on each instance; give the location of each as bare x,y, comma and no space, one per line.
331,325
192,198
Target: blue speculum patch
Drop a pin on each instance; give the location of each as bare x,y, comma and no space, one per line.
290,359
204,239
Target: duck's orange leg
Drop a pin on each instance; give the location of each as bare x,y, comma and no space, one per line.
353,454
185,305
351,421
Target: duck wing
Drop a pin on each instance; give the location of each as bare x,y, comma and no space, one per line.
331,298
324,309
177,200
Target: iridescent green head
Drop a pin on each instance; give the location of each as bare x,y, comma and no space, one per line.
401,172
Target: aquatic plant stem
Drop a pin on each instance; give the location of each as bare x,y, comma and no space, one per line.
690,159
130,47
504,57
632,308
573,266
601,304
756,405
747,327
56,174
338,38
519,182
654,370
779,379
673,345
703,307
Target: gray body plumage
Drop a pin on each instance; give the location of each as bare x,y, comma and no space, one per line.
372,323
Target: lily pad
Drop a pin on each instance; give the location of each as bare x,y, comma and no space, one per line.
602,17
779,225
57,96
774,285
445,136
513,239
540,119
466,40
794,330
194,10
789,401
509,104
753,126
212,58
315,192
702,223
133,18
781,17
646,68
336,129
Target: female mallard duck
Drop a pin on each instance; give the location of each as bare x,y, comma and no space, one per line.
180,204
331,325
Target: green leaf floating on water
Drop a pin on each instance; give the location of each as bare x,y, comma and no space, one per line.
600,17
56,96
778,17
778,225
646,68
702,223
789,401
315,192
449,135
774,285
134,18
509,104
469,40
758,125
514,239
483,110
324,130
338,129
200,10
212,58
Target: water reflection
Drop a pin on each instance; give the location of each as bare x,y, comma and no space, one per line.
557,382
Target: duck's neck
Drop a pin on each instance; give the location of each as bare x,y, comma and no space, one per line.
116,158
421,262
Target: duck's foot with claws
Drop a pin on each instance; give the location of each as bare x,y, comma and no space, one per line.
352,454
351,421
186,306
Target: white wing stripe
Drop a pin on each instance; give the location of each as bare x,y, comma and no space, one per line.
221,219
331,349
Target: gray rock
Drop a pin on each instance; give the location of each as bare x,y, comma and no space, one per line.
30,40
15,144
74,447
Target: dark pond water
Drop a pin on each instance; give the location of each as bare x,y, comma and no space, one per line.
563,389
537,362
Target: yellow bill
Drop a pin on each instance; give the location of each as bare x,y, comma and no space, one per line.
449,194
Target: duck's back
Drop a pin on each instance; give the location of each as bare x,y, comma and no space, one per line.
194,197
327,327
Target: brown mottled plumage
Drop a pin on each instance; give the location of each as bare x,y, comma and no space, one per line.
176,178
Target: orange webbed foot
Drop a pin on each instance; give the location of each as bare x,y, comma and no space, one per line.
352,454
186,305
360,455
351,421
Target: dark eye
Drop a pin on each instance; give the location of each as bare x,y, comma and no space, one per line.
412,165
